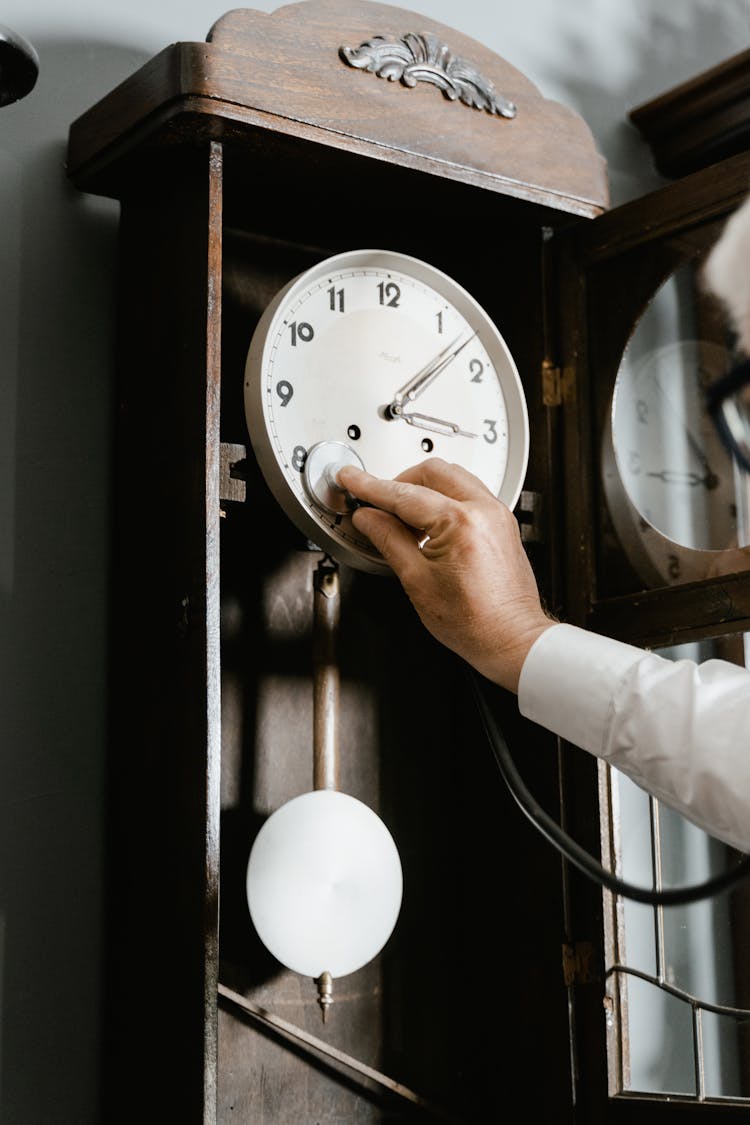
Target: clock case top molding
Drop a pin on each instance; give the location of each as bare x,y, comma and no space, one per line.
273,78
238,163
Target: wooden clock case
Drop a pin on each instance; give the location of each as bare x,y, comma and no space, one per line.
238,162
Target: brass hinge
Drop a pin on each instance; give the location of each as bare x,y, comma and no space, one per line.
578,963
558,384
529,516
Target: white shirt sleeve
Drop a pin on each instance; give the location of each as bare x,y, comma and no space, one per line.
678,729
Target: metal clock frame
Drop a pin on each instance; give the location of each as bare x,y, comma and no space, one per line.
332,531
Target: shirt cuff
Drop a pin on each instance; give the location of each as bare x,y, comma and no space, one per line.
568,681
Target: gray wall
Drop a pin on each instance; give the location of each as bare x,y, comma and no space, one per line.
601,57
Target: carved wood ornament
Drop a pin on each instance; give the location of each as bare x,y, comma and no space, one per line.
425,58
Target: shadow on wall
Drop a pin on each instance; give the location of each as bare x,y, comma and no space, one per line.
57,256
668,44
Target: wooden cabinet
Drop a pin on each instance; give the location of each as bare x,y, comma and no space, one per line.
239,162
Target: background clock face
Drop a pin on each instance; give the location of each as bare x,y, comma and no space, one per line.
671,485
392,358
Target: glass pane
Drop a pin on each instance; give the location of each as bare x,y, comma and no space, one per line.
661,1053
684,973
724,1075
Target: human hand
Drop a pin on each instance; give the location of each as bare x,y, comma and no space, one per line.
471,582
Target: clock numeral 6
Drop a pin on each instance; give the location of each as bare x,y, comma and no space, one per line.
302,331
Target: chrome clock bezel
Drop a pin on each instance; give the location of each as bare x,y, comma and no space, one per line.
331,532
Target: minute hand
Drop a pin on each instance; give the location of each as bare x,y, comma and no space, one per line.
430,371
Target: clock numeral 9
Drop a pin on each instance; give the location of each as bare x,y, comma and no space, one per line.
302,331
389,294
641,409
284,390
299,456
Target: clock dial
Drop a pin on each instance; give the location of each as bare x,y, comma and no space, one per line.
390,357
670,483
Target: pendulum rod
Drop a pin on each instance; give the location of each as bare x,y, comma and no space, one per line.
326,615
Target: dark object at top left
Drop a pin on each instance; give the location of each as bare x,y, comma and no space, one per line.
19,66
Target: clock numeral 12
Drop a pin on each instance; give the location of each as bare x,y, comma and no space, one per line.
389,293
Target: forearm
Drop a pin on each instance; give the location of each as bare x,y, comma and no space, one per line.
678,729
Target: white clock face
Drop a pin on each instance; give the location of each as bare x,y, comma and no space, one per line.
672,461
392,359
671,485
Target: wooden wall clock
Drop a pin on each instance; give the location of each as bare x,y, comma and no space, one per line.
240,164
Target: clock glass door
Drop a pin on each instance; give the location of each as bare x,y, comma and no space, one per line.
675,502
659,557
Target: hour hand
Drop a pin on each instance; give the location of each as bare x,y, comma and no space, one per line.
436,425
679,476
